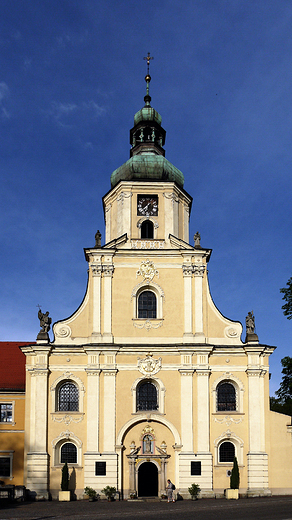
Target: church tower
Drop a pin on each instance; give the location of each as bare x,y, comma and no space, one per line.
147,380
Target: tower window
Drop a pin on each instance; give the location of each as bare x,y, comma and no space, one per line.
226,452
226,398
147,305
68,398
147,229
147,397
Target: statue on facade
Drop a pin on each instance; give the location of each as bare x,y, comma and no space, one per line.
97,239
250,328
45,325
197,240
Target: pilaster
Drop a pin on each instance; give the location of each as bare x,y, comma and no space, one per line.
187,409
107,272
109,426
188,322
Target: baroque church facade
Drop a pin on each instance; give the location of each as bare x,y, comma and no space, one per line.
147,380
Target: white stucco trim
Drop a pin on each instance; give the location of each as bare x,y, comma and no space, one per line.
238,443
148,417
67,376
239,389
160,389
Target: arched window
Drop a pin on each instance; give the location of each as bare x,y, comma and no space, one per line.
147,229
68,397
226,398
226,452
147,305
147,397
68,453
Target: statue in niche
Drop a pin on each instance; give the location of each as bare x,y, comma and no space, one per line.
45,324
147,444
97,239
250,323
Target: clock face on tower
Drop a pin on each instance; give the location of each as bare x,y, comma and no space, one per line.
147,205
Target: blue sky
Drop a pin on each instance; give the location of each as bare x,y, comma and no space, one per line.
72,78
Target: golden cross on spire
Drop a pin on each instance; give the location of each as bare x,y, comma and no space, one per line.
148,58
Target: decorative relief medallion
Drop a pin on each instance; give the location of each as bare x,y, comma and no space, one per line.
147,270
148,430
228,420
62,331
149,366
148,325
67,419
231,332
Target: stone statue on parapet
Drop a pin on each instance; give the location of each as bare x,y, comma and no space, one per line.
45,325
250,328
97,239
197,240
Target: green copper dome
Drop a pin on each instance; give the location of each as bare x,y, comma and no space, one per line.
147,114
147,137
147,168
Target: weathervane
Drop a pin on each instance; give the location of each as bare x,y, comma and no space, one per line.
147,98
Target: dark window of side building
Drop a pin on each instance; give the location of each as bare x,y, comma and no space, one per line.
147,229
5,467
196,467
147,305
147,397
226,398
100,468
226,452
68,398
6,412
69,453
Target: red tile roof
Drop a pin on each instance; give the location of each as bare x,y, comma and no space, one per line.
12,365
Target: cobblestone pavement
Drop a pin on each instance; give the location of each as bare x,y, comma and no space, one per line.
274,508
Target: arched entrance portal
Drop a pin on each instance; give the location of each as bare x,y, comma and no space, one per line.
148,480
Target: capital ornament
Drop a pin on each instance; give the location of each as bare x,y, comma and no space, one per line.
149,366
147,270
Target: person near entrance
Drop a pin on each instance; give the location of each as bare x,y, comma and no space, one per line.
170,489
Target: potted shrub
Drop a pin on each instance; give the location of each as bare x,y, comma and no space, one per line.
64,495
109,492
234,481
133,495
91,493
194,490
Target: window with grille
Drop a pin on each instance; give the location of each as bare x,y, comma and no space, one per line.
226,398
195,467
100,468
147,397
6,412
226,452
68,398
5,466
147,305
69,453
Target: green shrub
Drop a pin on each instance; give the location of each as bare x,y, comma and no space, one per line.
65,478
194,490
234,477
109,492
